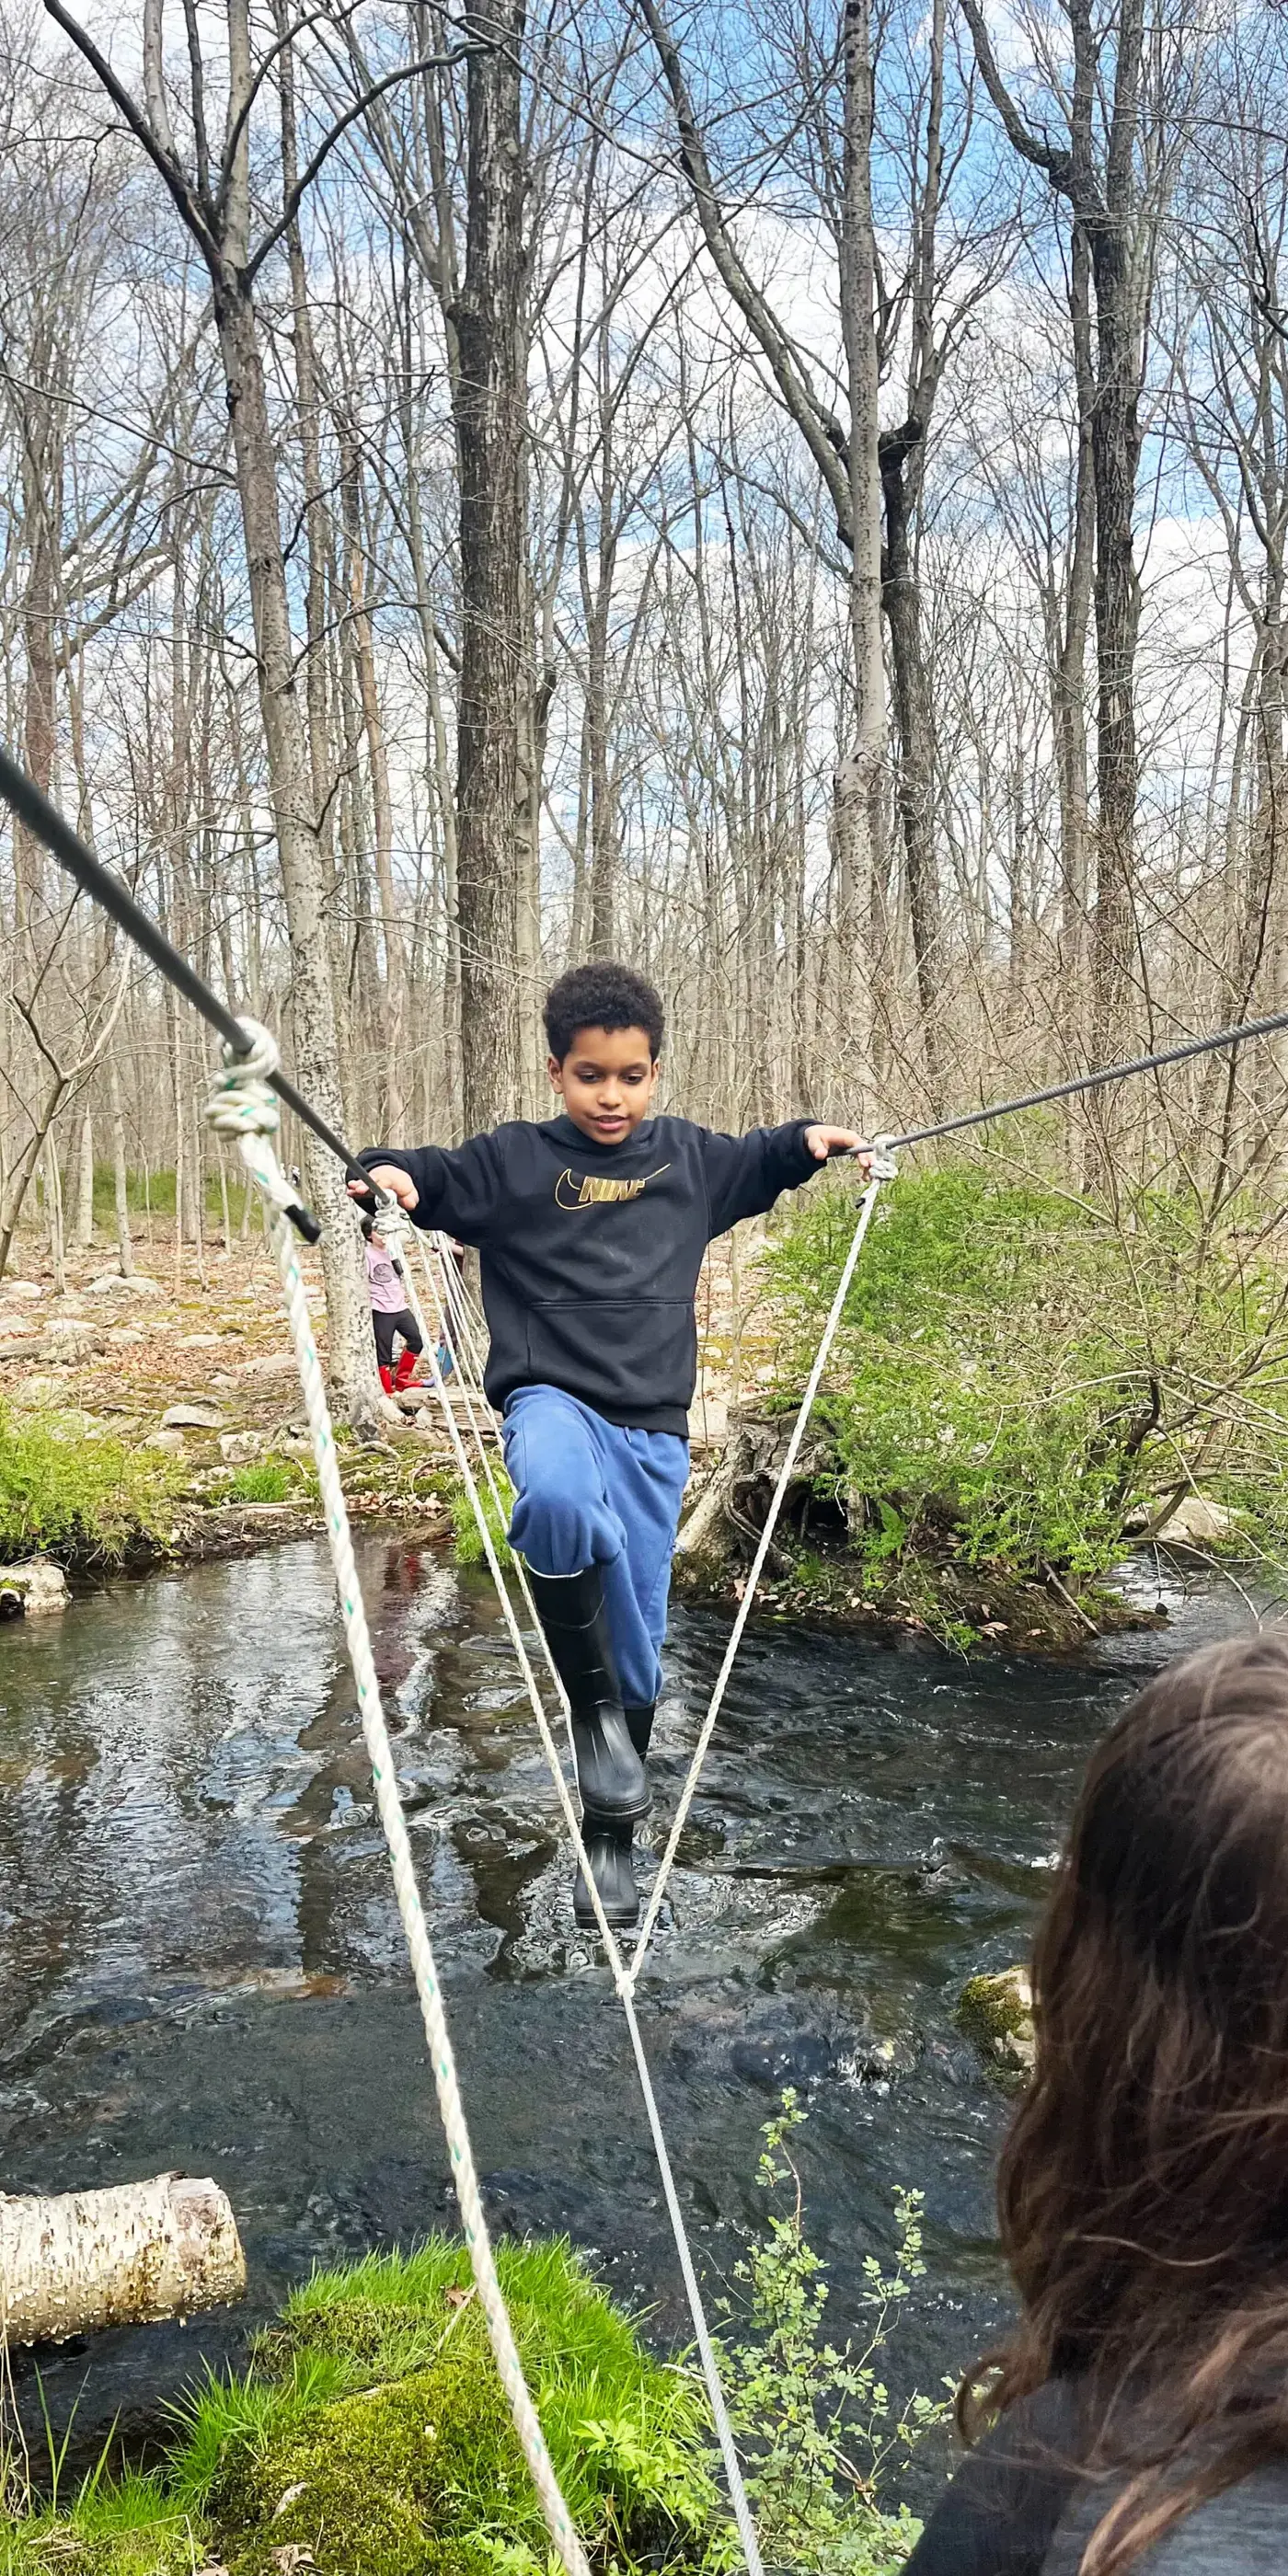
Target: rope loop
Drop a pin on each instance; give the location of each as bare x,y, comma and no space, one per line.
243,1102
391,1226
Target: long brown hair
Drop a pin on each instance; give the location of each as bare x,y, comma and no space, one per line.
1143,2187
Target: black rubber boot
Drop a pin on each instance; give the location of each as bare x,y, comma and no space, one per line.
610,1774
608,1849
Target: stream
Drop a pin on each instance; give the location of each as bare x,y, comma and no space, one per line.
201,1964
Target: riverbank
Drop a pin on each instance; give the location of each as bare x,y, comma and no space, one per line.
1023,1386
962,1606
370,2432
370,2435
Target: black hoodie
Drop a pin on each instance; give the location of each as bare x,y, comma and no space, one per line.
591,1253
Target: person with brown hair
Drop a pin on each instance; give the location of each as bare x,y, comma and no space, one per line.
1138,2413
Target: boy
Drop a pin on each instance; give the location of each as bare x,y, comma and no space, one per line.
591,1228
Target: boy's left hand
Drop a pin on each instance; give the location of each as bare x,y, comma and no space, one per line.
823,1141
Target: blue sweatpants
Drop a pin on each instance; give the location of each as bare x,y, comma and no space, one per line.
588,1492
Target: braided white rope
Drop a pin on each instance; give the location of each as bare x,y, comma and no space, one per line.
392,1224
245,1108
882,1169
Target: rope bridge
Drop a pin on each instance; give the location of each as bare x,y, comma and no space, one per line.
246,1109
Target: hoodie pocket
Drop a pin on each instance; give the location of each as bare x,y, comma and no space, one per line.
623,1350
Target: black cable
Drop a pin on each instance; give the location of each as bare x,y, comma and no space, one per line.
48,825
1090,1081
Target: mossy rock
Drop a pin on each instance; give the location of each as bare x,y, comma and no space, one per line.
374,2434
371,2437
379,2484
997,2014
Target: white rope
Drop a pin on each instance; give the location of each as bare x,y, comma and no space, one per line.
244,1107
881,1170
391,1223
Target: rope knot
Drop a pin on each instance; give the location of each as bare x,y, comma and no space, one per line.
243,1102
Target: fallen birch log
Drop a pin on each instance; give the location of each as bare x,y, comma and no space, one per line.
132,2256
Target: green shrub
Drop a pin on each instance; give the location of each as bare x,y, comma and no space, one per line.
66,1489
1013,1374
816,2426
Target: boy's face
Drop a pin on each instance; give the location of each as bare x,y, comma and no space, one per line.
607,1079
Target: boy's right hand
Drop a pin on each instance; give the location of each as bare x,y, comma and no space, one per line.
389,1176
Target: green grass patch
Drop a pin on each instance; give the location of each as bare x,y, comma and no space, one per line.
1015,1375
69,1490
467,1545
263,1480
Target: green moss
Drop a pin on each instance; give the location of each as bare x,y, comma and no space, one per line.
997,2014
370,2481
373,2432
75,1494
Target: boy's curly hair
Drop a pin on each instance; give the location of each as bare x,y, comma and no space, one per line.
603,995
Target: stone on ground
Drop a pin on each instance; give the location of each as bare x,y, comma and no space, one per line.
111,1284
32,1589
997,2014
235,1447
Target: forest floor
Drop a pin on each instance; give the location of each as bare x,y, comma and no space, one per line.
115,1361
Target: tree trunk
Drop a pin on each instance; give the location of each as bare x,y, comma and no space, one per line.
490,408
915,781
860,770
350,1348
1070,674
120,1174
394,1121
83,1221
1115,446
135,2255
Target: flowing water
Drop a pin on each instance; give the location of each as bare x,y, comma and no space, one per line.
201,1964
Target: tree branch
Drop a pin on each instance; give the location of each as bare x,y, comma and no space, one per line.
819,426
291,207
235,130
137,122
1055,159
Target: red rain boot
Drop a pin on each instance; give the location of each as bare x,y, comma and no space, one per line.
405,1371
386,1377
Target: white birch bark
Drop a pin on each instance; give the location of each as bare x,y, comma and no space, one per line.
136,2254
